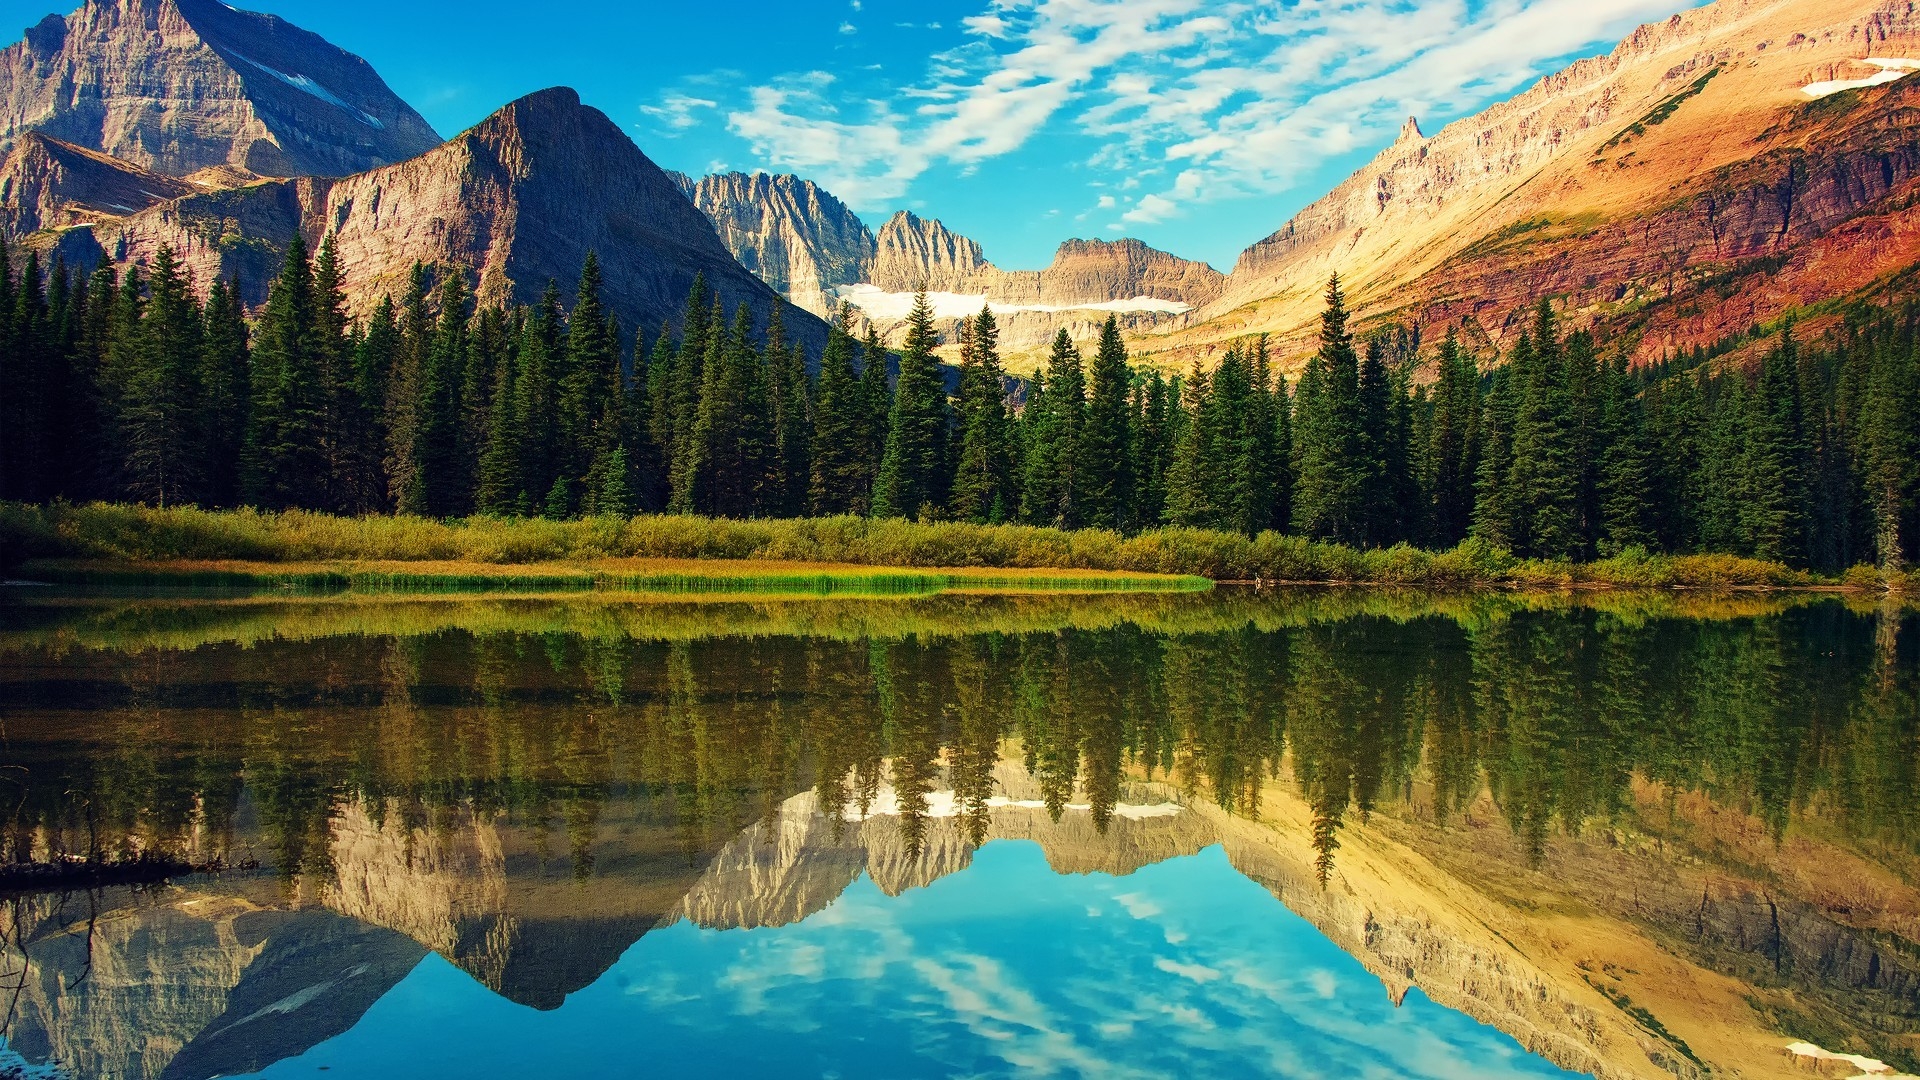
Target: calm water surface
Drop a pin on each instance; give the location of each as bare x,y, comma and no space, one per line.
1301,834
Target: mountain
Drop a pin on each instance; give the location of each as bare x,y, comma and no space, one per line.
800,239
177,86
1712,172
790,232
49,184
518,200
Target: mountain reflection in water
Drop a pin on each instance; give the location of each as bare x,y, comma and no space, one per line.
1638,836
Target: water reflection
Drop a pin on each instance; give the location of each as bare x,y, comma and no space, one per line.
1642,836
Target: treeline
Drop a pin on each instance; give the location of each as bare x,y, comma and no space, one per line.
131,387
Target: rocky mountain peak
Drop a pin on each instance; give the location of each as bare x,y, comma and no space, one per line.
516,201
1410,131
791,233
916,252
177,86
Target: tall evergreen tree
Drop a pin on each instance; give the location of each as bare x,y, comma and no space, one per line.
225,392
1104,465
1331,459
1452,452
983,485
914,468
1051,489
1625,471
840,469
159,391
1773,482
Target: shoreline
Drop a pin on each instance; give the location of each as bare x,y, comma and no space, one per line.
188,547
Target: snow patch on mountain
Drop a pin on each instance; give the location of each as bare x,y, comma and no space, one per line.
308,86
1891,68
946,804
886,306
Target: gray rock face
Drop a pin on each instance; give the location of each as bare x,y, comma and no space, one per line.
176,86
791,233
518,200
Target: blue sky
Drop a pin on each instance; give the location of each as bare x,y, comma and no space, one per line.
1196,126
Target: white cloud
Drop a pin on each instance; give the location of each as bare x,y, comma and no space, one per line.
675,112
1106,203
849,28
1189,99
1149,210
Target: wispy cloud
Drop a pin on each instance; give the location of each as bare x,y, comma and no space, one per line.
1188,100
675,112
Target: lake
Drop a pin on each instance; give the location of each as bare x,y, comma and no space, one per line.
1294,833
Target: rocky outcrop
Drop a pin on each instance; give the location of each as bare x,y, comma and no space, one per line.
1629,186
517,201
791,233
49,184
176,86
915,253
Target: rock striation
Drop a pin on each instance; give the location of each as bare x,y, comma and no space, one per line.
177,86
516,201
791,233
1632,187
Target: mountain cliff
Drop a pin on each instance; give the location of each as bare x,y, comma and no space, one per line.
518,200
177,86
49,184
808,246
790,232
1695,181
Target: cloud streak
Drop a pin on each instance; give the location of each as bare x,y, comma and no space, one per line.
1186,100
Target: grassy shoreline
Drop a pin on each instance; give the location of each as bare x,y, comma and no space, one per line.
186,546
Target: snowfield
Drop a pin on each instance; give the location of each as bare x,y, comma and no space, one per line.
1890,69
314,89
883,306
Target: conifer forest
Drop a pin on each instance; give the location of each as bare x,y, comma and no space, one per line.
143,387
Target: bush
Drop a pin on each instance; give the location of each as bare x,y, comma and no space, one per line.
141,534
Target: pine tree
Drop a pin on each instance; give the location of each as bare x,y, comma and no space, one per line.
1191,490
1773,481
501,487
536,404
1625,471
225,393
1104,465
983,484
159,384
1331,460
789,396
840,469
914,468
703,348
1452,450
1053,423
1153,450
440,483
587,375
1496,515
1544,474
1889,437
404,387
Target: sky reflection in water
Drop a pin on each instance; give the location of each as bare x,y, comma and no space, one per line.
1183,968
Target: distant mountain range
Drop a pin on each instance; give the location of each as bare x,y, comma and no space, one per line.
1719,169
